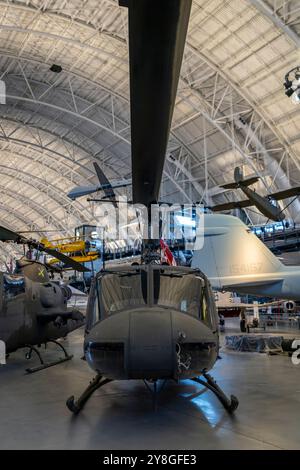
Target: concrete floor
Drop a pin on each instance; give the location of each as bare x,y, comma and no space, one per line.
120,416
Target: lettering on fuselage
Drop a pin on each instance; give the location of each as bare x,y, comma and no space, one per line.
246,268
2,352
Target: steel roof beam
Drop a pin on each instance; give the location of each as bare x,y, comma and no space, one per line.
266,10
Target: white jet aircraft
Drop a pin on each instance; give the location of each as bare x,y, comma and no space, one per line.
234,259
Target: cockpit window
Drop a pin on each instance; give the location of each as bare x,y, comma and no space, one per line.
120,291
181,292
13,285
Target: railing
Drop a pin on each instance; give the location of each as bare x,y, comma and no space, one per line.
283,240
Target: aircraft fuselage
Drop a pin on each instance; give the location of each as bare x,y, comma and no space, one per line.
263,205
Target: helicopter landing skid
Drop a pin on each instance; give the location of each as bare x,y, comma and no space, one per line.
46,365
230,404
76,406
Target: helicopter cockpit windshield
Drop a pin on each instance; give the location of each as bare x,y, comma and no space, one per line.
13,285
181,289
123,290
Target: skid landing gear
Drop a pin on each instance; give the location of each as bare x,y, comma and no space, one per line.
76,406
230,404
45,365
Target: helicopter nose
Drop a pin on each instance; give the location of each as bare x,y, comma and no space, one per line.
150,344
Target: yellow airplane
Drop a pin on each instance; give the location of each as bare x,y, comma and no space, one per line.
65,245
71,245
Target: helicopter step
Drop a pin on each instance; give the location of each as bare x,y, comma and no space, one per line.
46,365
76,406
230,404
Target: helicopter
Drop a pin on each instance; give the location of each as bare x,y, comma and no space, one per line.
33,309
152,321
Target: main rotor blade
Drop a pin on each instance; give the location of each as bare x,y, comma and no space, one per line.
9,235
157,34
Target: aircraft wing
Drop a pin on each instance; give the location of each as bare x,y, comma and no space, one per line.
244,283
291,192
79,191
229,186
244,305
232,205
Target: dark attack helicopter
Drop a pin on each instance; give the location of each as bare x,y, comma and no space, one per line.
152,321
262,203
33,309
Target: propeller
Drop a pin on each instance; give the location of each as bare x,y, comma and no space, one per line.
9,235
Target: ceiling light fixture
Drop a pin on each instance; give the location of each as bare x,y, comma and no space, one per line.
56,68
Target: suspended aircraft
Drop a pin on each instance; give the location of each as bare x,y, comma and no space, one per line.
104,185
78,249
263,204
152,321
235,259
33,309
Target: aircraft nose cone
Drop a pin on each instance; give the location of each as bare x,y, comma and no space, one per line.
150,344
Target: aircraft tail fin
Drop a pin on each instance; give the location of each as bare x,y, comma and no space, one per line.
232,254
104,183
238,175
239,180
